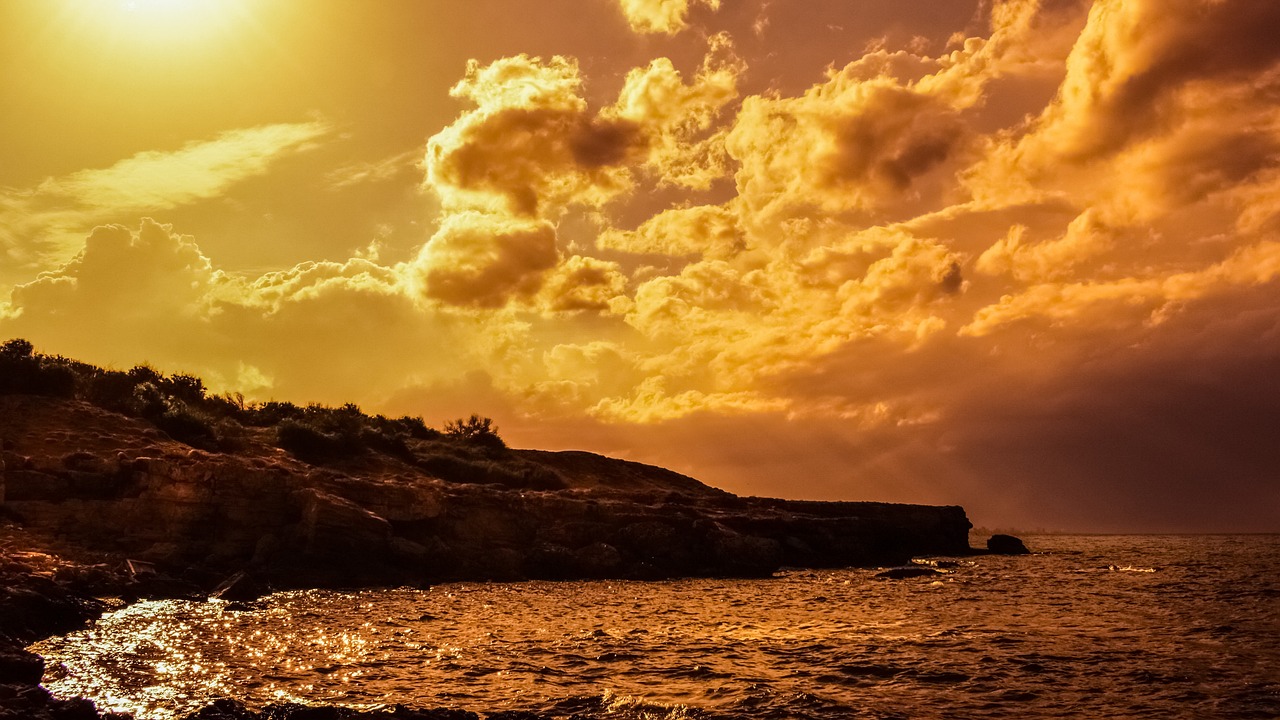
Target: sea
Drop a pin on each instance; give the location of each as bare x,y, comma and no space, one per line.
1115,626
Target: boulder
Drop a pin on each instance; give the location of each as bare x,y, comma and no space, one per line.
241,587
19,667
1006,545
598,560
335,526
409,553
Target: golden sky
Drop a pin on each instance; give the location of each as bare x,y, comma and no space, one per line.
1020,255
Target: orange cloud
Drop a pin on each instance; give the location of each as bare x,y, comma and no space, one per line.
484,259
661,16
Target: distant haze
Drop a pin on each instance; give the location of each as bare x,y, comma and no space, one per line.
1020,256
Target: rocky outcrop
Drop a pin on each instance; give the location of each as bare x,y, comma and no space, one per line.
1006,545
118,486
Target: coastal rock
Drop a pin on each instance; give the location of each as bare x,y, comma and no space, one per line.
371,519
241,587
42,608
1006,545
334,526
19,667
598,560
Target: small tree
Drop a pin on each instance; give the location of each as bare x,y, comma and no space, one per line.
17,348
475,430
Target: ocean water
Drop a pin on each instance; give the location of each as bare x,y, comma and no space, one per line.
1089,627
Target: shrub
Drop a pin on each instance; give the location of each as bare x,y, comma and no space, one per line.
313,445
185,425
387,442
145,373
24,372
272,413
16,349
516,474
187,388
110,389
476,431
148,401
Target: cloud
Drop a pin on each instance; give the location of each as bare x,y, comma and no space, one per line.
150,294
1086,237
485,259
585,284
160,180
699,230
676,115
872,135
43,225
532,149
661,16
125,271
530,145
1152,297
387,168
1162,93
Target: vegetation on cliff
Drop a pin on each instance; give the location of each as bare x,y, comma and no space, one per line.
466,450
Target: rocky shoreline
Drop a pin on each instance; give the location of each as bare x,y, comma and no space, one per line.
58,590
99,509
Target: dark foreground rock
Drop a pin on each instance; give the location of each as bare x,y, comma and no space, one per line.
1006,545
33,605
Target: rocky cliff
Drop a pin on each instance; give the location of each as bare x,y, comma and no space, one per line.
116,484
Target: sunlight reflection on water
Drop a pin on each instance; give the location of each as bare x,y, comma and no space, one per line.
999,637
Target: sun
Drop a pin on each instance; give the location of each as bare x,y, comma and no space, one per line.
173,20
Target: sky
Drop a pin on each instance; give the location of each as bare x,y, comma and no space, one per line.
1017,255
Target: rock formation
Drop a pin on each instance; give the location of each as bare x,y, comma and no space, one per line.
116,484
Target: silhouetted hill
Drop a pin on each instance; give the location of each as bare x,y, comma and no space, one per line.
153,467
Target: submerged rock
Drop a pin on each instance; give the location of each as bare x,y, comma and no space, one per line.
1006,545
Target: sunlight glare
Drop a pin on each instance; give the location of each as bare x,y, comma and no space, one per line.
173,20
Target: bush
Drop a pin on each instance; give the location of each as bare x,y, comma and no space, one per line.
16,349
475,430
185,425
110,389
23,372
148,401
510,473
186,388
306,442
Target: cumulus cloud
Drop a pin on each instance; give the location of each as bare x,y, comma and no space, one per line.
484,259
532,148
676,115
661,16
871,134
530,142
150,294
585,283
1165,93
532,145
700,230
126,271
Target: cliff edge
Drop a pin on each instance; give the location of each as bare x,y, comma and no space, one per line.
436,509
